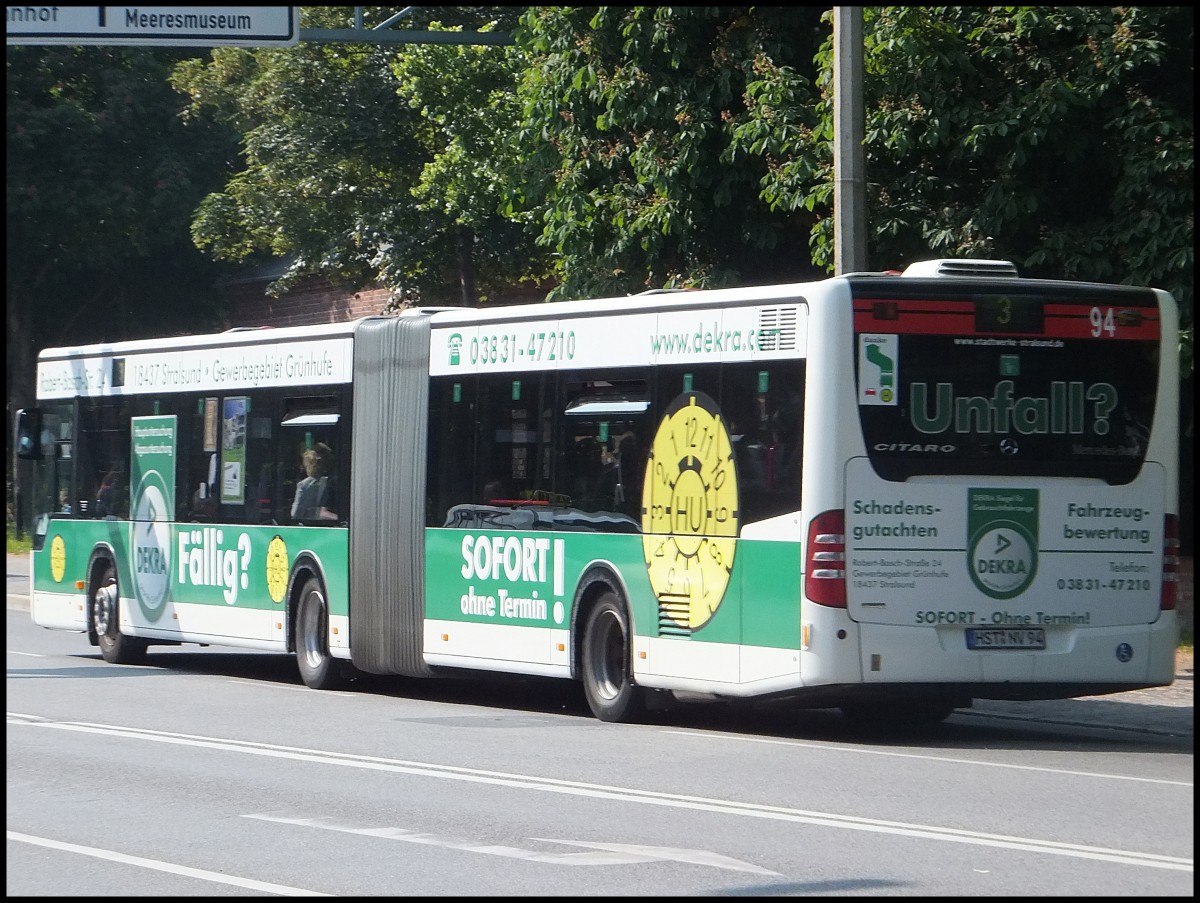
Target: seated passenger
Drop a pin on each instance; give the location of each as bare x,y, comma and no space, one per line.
314,494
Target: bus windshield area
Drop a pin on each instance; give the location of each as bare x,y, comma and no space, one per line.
943,388
51,488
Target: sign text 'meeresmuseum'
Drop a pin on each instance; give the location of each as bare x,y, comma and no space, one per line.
200,26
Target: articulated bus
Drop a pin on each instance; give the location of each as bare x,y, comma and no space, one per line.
888,493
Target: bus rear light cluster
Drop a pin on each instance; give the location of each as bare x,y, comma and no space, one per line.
1170,576
825,559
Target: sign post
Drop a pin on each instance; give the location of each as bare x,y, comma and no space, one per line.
178,26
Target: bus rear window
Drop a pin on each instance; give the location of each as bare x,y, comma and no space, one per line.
1014,383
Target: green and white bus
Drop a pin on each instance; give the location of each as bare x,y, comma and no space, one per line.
888,493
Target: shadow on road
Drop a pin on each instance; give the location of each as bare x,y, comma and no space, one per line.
1097,723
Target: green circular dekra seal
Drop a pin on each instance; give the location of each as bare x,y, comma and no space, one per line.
1002,560
150,547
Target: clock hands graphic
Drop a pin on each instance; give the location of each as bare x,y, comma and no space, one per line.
690,511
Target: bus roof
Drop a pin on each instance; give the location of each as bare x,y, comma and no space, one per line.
977,272
231,337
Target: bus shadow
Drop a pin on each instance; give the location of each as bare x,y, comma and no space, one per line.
1094,723
264,666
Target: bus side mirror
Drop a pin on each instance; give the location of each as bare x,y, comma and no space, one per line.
28,439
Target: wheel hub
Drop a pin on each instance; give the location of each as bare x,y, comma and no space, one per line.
105,608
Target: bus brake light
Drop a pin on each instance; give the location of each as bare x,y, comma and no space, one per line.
1170,576
825,559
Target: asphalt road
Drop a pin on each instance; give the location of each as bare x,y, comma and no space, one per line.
215,772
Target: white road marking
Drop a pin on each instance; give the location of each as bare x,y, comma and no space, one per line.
170,868
831,747
275,686
673,854
613,853
623,794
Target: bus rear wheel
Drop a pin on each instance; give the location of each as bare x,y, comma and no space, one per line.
608,664
116,648
318,669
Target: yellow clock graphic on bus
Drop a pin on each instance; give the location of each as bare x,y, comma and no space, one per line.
690,511
58,559
277,569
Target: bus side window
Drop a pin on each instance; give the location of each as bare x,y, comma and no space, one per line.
260,453
103,466
787,424
311,463
764,410
63,473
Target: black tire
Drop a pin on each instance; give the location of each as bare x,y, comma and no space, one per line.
901,714
105,613
318,669
608,663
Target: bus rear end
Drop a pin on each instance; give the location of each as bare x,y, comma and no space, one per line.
1011,521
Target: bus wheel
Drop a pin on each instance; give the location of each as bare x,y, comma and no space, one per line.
900,714
607,663
116,648
317,667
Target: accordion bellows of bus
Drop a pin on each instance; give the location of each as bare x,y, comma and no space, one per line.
889,493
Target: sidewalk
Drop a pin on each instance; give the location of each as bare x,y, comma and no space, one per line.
1163,711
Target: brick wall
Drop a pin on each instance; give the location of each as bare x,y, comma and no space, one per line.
317,301
314,301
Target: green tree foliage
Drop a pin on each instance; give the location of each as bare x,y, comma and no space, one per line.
467,103
647,138
1057,137
103,178
611,148
693,145
365,163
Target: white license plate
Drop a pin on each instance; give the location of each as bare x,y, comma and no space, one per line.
1006,638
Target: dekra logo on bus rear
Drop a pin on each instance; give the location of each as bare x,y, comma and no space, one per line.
1003,529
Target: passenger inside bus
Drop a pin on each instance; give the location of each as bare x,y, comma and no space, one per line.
314,494
495,492
204,497
624,470
105,495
